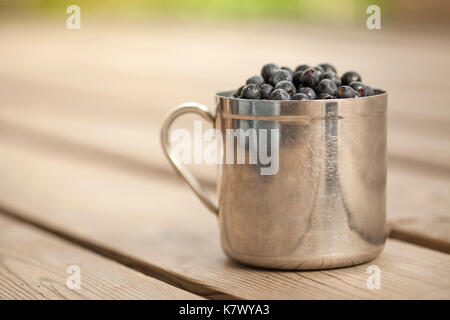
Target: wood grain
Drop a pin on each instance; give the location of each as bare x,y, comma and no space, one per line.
159,228
33,265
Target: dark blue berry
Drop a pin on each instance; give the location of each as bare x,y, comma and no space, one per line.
268,70
302,67
325,96
308,91
349,77
287,86
266,89
300,96
327,86
296,78
237,93
310,78
288,70
256,79
346,92
332,76
280,75
320,71
328,67
279,94
358,87
369,91
251,91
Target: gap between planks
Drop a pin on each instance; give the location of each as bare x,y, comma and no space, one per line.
141,266
33,265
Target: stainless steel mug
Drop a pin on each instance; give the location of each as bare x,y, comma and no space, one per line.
325,207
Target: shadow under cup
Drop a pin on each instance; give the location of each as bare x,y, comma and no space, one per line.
323,205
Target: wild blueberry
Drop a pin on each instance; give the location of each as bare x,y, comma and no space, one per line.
287,86
256,79
251,91
288,70
332,76
266,89
308,91
310,78
302,67
296,78
320,71
369,91
280,75
328,67
237,93
327,86
358,87
325,96
300,96
268,70
349,77
346,92
279,94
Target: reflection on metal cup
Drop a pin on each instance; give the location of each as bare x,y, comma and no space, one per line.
325,206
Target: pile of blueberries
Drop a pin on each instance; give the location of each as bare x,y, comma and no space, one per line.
305,83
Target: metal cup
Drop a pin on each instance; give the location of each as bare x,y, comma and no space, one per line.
325,206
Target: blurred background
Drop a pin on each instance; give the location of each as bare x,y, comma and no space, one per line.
80,155
104,89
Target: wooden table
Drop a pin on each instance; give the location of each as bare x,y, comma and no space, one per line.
83,180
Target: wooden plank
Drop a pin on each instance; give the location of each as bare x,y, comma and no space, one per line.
34,265
431,232
134,218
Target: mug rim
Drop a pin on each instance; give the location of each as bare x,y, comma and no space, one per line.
300,110
228,94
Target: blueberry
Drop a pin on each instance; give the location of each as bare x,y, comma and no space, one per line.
251,91
288,70
280,75
255,80
325,96
349,77
300,96
328,67
320,71
287,86
310,78
369,91
237,93
279,94
268,70
346,92
308,91
358,87
266,89
296,78
332,76
327,86
302,67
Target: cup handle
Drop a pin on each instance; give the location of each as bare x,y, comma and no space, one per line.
201,110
